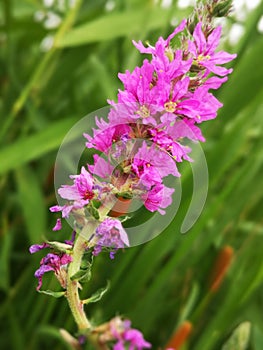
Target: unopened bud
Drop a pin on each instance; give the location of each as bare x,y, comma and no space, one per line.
221,8
221,267
180,336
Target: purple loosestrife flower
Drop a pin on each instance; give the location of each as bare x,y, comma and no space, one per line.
185,128
203,51
167,143
151,164
102,137
101,167
110,234
139,94
162,43
56,262
79,194
127,337
158,197
109,133
178,101
209,105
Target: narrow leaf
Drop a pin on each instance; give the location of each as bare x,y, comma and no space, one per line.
116,25
97,295
52,293
35,146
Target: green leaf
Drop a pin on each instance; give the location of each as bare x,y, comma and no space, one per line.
31,202
116,25
52,293
35,146
61,247
97,295
83,275
237,95
5,250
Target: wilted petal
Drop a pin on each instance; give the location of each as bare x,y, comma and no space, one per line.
37,247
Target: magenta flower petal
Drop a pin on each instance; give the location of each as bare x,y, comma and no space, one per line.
199,37
213,40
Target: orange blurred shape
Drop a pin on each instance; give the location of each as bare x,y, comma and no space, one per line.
221,267
120,207
180,336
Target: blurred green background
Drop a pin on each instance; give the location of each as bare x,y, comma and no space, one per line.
59,61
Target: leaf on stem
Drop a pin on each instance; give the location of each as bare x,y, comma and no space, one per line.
97,295
52,293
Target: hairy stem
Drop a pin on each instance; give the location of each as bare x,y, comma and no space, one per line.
75,304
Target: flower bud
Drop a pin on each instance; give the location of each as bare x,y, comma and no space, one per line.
221,8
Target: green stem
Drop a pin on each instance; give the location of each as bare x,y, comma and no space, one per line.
72,294
75,304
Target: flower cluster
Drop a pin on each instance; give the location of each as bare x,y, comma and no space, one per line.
138,146
162,103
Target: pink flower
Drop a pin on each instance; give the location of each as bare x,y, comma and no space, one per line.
178,101
203,51
136,340
165,140
139,95
79,194
127,337
102,137
209,105
51,262
162,43
151,164
185,128
158,197
110,234
101,167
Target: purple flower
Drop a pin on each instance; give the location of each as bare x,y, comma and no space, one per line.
178,101
111,234
166,142
135,339
37,247
209,105
203,51
185,128
101,167
79,194
139,95
102,137
51,262
151,164
161,43
127,337
159,196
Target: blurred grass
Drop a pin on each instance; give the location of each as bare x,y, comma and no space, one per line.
163,282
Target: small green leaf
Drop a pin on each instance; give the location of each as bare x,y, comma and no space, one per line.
61,247
52,293
97,295
93,211
83,275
